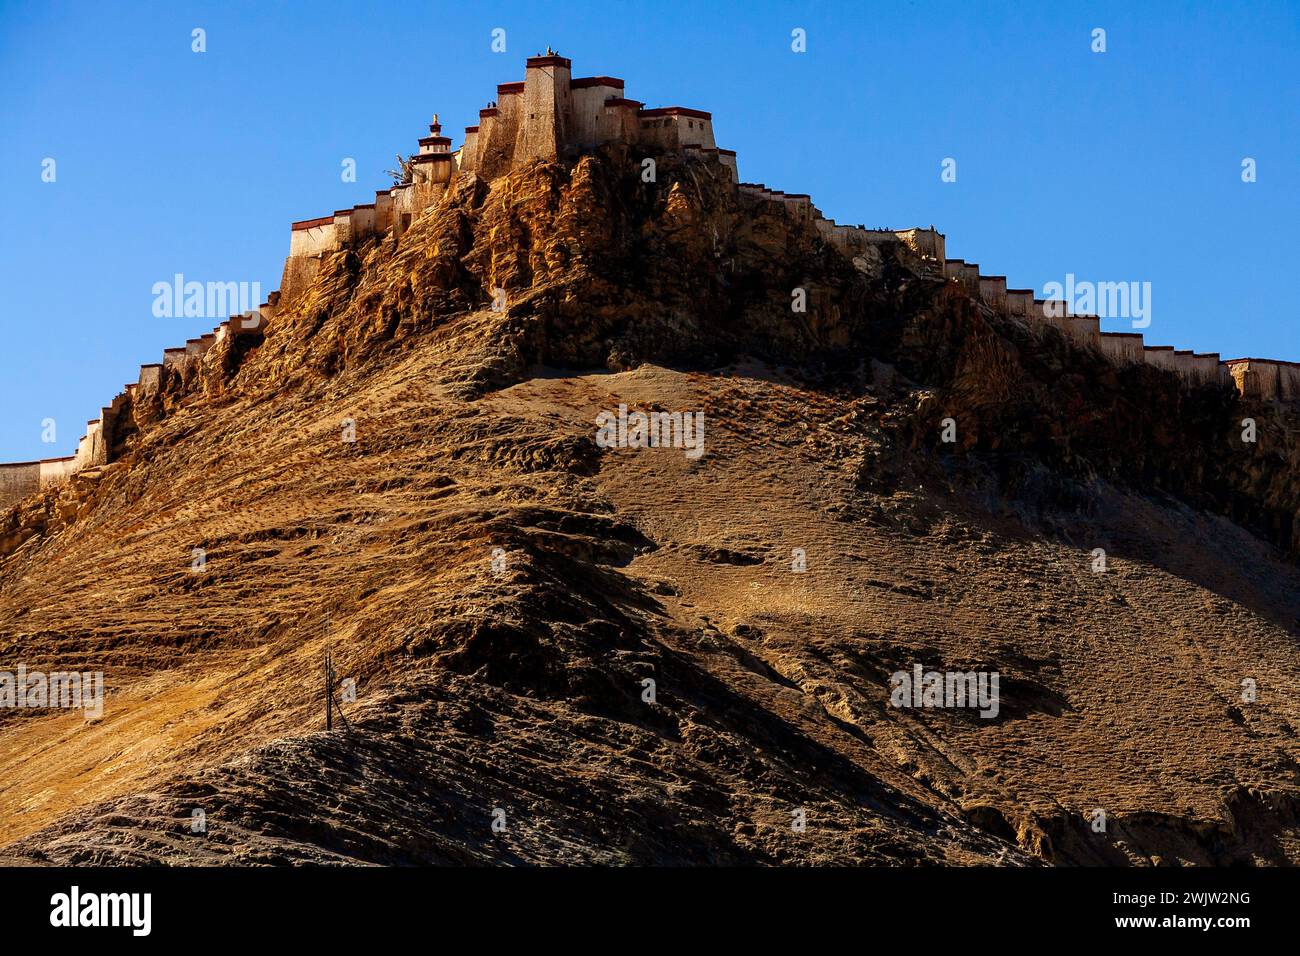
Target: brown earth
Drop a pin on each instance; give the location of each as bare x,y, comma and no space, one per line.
522,689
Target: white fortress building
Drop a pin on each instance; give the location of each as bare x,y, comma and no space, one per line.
549,115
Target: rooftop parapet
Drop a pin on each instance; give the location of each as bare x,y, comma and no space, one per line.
548,59
590,82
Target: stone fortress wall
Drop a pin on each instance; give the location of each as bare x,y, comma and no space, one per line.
1252,378
551,116
20,479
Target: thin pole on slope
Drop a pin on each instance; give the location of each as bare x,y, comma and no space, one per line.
331,704
329,696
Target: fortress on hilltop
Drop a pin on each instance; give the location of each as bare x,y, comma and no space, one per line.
550,116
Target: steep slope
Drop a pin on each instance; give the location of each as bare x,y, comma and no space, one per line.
521,688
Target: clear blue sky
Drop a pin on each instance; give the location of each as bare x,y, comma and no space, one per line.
1117,166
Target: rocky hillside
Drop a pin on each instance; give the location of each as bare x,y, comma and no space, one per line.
499,589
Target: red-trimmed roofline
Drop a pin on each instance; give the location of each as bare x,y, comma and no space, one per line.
431,140
1159,348
312,223
509,89
18,464
533,62
155,364
342,212
1270,361
677,111
620,101
487,111
471,129
430,157
1125,335
586,82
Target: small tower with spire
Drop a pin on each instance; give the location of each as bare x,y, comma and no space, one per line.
435,142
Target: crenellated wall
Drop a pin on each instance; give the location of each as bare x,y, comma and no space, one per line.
95,448
1252,378
852,240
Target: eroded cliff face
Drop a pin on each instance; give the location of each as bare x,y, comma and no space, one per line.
522,685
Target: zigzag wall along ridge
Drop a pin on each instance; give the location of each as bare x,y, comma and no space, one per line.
20,479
